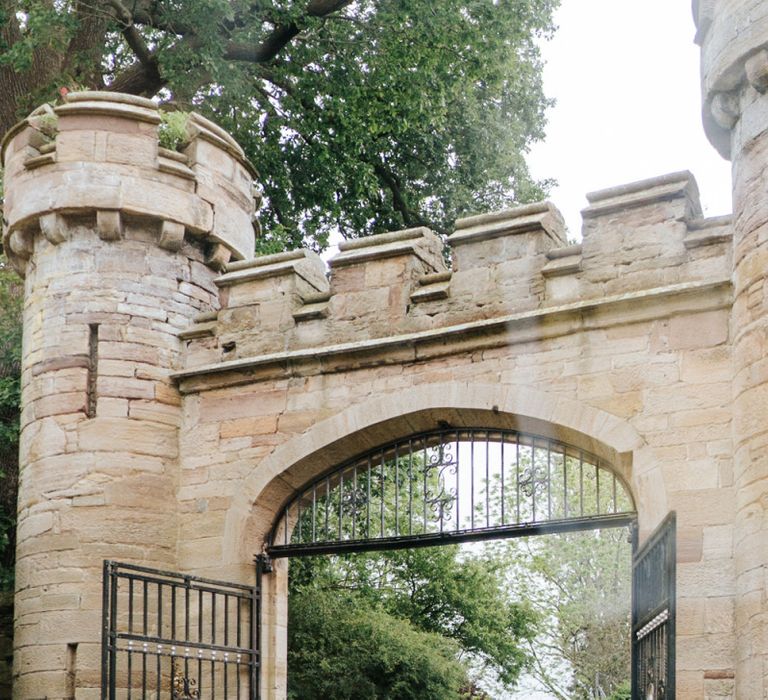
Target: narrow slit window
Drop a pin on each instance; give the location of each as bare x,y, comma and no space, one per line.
93,370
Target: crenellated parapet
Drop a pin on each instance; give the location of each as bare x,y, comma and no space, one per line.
507,267
97,156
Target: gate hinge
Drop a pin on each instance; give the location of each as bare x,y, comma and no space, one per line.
264,561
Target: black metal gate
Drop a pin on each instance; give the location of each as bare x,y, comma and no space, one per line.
169,636
653,615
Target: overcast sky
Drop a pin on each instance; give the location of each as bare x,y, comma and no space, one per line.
625,75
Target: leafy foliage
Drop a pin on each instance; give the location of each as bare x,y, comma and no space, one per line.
341,648
623,692
434,590
579,583
361,115
10,361
172,131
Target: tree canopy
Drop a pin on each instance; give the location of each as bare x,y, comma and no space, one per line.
580,586
551,610
361,115
10,361
456,605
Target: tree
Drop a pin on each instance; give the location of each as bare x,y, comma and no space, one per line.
341,648
579,583
361,115
437,591
10,360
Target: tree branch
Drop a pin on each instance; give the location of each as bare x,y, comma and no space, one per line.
145,78
411,217
144,16
281,35
132,35
138,79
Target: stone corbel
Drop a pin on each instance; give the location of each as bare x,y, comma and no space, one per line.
54,228
725,109
21,243
171,235
756,68
218,256
109,224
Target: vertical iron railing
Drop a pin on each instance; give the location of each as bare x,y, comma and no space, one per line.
653,615
451,485
169,636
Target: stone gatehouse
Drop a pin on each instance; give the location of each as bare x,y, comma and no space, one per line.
176,391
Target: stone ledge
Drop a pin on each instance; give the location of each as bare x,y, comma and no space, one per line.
199,330
566,265
309,312
91,105
563,261
308,265
540,216
704,232
174,167
433,286
421,242
642,193
504,330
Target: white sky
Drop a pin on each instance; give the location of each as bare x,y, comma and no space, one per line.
625,75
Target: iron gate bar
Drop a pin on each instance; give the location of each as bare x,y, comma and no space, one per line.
654,606
167,658
451,473
596,522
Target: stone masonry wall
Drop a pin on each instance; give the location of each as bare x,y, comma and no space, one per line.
733,35
620,345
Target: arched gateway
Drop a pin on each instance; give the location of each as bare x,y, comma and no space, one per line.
450,485
186,407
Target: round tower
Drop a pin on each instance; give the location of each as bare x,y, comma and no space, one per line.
119,241
733,35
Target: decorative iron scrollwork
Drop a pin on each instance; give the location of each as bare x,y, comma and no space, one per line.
183,687
454,485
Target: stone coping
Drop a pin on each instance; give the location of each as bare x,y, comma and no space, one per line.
540,216
642,193
420,242
304,263
408,234
138,108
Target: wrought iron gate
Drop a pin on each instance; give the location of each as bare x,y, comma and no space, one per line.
169,636
653,615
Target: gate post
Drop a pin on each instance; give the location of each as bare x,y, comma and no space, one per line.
272,584
733,35
119,241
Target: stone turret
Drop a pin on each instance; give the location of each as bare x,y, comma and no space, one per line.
119,241
733,35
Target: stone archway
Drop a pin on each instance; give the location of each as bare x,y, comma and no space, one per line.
378,421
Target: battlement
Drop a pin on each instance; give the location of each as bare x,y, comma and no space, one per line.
97,156
642,239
